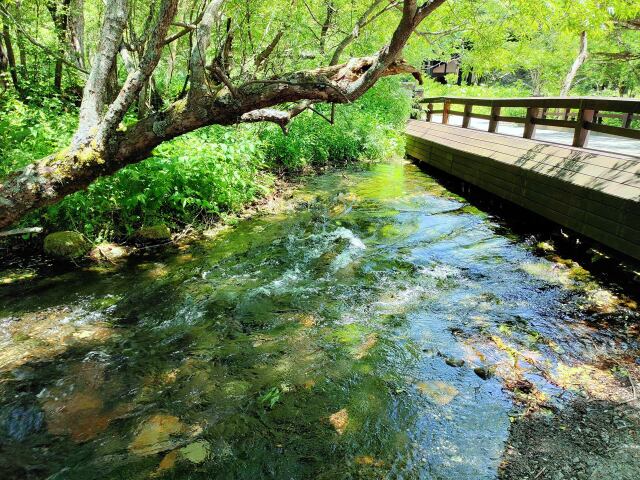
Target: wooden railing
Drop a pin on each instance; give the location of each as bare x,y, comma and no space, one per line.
581,114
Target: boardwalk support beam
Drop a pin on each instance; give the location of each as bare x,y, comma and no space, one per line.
581,134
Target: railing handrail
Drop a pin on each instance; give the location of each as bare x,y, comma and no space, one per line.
610,104
583,121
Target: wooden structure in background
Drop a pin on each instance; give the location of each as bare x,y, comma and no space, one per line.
596,194
582,114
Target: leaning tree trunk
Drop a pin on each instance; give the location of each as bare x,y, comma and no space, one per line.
101,148
577,63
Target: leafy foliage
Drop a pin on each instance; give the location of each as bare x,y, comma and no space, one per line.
193,177
30,131
370,128
200,176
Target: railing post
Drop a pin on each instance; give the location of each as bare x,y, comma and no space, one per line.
493,122
530,123
626,120
429,110
467,116
581,134
445,111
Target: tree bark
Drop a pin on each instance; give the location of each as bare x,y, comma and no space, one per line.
20,41
59,10
93,95
577,63
76,32
11,58
105,149
4,64
328,20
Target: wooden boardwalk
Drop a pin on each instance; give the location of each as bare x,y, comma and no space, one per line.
593,193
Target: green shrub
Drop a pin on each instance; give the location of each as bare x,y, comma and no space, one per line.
195,178
30,132
188,180
370,128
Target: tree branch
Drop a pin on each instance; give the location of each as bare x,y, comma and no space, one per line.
266,53
113,25
137,78
279,117
197,63
360,23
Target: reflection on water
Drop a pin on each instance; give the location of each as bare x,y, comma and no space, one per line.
379,327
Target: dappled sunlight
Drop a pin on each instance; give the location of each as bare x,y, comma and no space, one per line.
43,335
394,331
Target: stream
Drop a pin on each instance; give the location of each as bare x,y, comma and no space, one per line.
374,325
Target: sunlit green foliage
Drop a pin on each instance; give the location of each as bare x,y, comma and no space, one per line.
186,181
32,130
371,128
196,178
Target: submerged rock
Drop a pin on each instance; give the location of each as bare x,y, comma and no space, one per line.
196,452
67,245
155,435
22,421
440,392
484,373
154,233
339,420
369,460
454,362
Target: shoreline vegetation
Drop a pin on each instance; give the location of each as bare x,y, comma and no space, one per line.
201,180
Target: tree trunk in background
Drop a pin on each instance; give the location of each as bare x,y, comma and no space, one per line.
21,43
112,86
577,63
328,20
4,64
60,15
76,32
11,57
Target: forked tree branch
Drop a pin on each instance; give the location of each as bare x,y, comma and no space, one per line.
138,77
115,20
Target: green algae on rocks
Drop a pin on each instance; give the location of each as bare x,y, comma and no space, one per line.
153,233
66,245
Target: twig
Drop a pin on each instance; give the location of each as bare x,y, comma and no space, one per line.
540,473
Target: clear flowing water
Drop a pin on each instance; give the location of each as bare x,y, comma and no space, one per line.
378,326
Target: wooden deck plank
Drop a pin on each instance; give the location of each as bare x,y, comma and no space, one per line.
618,171
542,149
570,171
